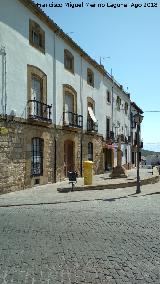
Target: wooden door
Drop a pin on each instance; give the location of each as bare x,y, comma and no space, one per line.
108,159
68,156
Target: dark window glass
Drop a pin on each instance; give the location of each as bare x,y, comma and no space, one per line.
90,151
126,108
108,97
68,61
118,102
37,157
90,77
108,128
36,36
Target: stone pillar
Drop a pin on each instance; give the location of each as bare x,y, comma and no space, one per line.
119,171
112,157
119,153
119,157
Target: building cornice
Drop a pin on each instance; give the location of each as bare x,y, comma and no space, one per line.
133,104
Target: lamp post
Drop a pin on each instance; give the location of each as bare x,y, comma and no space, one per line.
138,119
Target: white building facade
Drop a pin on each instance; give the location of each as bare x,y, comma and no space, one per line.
58,106
135,110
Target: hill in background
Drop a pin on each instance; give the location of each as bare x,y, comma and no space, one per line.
146,153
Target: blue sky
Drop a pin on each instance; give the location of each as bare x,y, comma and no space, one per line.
130,37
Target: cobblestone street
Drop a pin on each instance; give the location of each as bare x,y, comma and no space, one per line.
112,240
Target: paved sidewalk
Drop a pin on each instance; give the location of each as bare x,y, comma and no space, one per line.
48,194
104,181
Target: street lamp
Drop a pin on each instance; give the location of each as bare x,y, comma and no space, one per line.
138,119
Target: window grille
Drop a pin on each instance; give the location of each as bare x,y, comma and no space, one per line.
37,156
90,151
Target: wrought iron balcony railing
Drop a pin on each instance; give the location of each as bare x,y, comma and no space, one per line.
126,140
140,143
129,139
91,125
122,138
72,119
39,111
110,135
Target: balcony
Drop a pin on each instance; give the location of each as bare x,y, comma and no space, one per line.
126,140
122,138
71,119
38,111
92,126
135,142
110,136
140,143
129,139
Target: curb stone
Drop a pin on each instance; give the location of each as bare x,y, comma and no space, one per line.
146,181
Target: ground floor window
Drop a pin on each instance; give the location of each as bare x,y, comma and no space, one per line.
126,155
37,157
90,151
133,156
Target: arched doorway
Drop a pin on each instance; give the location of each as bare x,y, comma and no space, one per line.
68,156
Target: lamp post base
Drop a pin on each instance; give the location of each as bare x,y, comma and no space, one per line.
138,190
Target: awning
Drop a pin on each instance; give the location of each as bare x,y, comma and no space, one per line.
109,146
90,110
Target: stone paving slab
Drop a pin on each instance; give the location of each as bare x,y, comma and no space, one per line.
103,181
112,240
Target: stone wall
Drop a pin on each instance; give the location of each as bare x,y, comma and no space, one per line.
15,155
12,159
47,134
98,155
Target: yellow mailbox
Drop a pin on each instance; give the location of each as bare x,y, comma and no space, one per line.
88,172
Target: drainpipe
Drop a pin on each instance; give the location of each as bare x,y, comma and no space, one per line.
54,80
112,120
130,136
112,98
5,84
54,106
4,75
81,134
55,159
